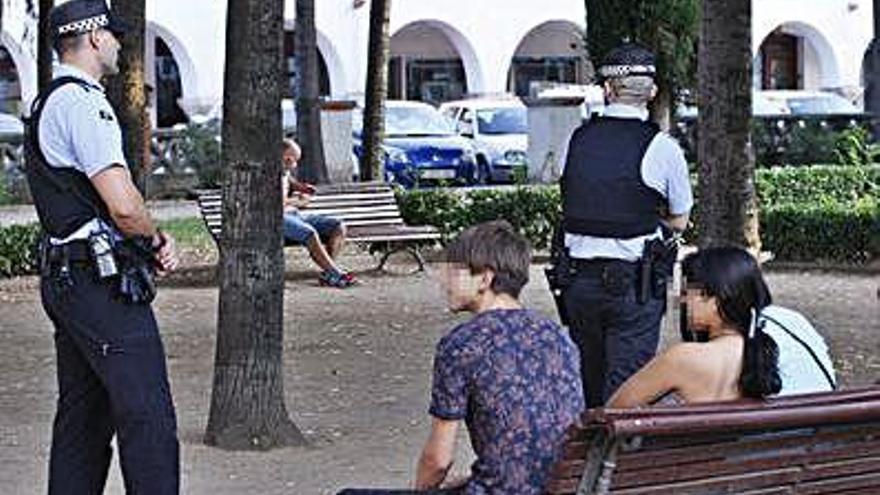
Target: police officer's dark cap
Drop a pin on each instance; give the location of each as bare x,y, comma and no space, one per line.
82,16
628,59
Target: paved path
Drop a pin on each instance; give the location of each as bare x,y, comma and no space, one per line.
357,374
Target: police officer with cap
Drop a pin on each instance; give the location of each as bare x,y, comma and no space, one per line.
624,183
99,253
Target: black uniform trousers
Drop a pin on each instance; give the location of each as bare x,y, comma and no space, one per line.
615,333
112,380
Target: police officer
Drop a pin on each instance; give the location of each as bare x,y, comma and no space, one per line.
623,180
97,259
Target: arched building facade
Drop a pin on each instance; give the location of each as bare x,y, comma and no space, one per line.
451,49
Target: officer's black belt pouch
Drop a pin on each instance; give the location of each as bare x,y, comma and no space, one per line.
135,284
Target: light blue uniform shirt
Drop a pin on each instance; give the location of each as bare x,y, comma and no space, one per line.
664,169
79,130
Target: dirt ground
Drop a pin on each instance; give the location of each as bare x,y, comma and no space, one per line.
357,374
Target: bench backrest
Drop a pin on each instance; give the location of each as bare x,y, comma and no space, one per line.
818,443
357,205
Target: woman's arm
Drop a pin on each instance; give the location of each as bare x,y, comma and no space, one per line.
663,374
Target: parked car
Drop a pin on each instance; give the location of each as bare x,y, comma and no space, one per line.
761,107
421,146
215,115
11,128
800,102
498,128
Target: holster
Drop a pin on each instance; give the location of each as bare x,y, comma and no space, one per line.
560,273
657,263
135,284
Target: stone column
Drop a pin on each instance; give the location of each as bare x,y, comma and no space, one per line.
551,123
336,129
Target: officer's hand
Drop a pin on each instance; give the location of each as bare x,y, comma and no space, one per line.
166,256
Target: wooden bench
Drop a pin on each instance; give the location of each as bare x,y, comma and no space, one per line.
810,444
368,210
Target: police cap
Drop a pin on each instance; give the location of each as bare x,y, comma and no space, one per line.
82,16
628,59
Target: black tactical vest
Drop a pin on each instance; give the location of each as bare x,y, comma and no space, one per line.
65,198
603,194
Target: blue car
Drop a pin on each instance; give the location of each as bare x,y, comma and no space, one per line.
421,147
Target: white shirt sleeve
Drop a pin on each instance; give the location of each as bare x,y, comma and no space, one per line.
665,169
95,136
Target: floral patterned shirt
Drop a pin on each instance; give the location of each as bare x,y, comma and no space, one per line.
514,377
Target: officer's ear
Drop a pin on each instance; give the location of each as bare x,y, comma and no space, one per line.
94,38
654,91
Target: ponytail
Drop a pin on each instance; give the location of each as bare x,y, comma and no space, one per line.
760,370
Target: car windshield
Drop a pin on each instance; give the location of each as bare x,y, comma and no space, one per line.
502,121
820,105
416,121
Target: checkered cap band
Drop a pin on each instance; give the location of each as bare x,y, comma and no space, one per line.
627,70
85,25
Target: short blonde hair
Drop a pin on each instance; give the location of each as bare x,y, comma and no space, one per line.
288,144
634,90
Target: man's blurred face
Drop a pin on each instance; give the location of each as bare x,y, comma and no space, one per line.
290,158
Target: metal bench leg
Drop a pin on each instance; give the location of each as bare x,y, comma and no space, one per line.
414,250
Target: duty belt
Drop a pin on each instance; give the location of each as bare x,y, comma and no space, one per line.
74,251
599,266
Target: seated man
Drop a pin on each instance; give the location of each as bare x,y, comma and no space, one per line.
322,236
510,373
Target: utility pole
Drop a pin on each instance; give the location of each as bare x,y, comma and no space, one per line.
871,65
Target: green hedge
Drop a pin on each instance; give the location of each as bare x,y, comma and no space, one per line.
18,249
848,233
817,184
807,213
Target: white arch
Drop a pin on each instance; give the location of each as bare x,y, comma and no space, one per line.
472,68
829,66
25,66
524,33
188,75
335,68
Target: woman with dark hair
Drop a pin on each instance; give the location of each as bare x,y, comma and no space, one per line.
750,349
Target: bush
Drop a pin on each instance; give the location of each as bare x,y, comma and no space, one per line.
826,213
532,210
18,250
817,184
832,232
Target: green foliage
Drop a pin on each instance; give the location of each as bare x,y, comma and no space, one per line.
816,184
18,250
852,147
5,197
532,210
199,147
807,213
832,231
669,27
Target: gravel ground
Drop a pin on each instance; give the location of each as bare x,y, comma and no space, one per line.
357,374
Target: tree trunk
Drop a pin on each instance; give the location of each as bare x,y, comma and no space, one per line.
313,167
727,204
373,161
871,67
44,45
247,402
127,92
